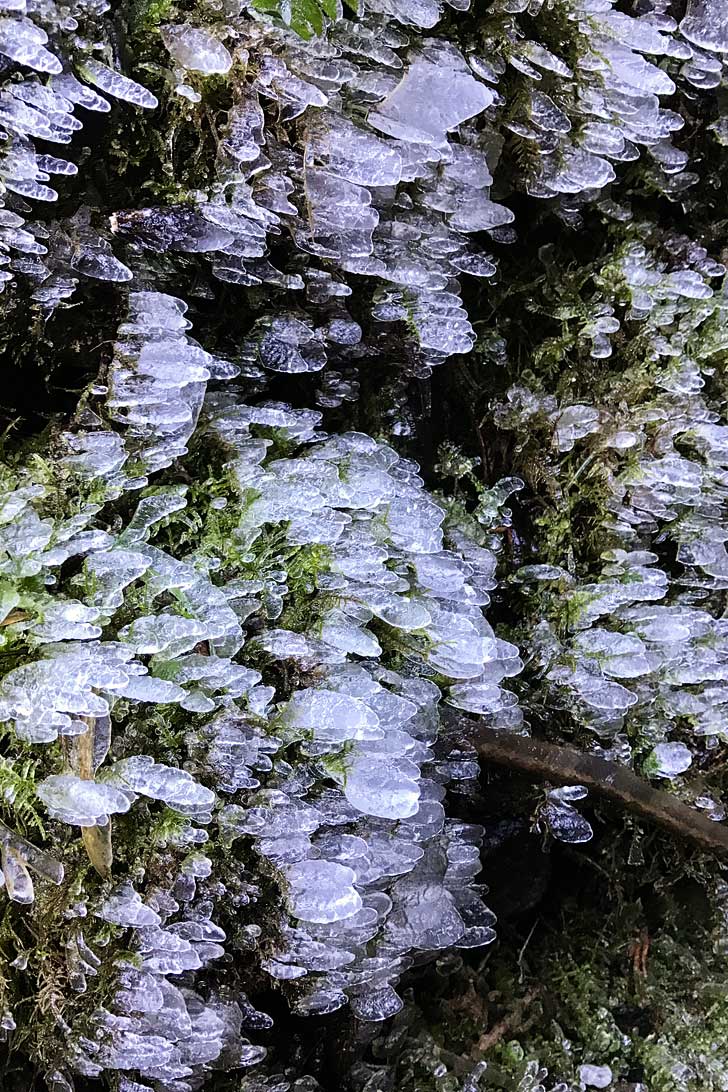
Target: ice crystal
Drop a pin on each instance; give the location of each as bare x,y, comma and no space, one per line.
196,49
84,803
595,1076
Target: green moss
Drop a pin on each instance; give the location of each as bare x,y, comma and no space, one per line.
304,564
149,14
629,974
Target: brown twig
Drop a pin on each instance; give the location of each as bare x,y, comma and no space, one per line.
567,766
14,617
512,1021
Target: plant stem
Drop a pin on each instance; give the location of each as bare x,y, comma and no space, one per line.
565,765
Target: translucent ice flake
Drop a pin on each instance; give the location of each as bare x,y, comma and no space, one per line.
616,654
125,907
94,259
169,633
376,1004
340,217
23,42
196,49
706,24
595,1076
331,716
272,814
150,510
598,693
461,640
116,85
82,803
398,611
425,914
126,1048
383,784
64,621
351,153
94,455
18,883
668,760
573,423
322,891
482,698
565,823
45,697
429,101
344,634
177,788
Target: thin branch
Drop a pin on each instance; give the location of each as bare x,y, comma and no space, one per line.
567,766
510,1023
522,952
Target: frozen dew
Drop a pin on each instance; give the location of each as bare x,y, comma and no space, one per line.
482,698
376,1004
151,509
573,423
24,42
64,621
386,787
618,655
351,153
565,823
706,25
116,85
171,634
428,102
341,220
177,788
18,882
331,782
331,716
344,634
125,907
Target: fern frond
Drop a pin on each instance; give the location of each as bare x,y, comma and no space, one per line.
17,794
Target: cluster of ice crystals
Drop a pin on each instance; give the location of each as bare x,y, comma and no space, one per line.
286,658
332,779
47,66
644,654
373,181
392,140
393,144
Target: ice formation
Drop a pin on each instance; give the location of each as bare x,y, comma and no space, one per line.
639,651
368,866
231,632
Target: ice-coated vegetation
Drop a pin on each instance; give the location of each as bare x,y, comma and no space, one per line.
330,781
261,584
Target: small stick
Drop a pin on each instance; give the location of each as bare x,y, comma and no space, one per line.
567,766
513,1021
88,752
522,952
